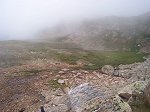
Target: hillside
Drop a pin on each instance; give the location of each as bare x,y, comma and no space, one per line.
76,67
35,74
107,33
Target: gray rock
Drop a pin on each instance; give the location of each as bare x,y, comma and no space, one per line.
86,97
108,69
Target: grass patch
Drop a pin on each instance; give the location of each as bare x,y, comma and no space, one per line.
55,85
17,54
147,36
70,59
141,108
141,105
99,59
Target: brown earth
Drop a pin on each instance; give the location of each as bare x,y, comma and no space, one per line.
21,86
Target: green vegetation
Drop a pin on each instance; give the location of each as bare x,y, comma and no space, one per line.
141,105
12,54
98,59
55,85
146,36
141,108
70,59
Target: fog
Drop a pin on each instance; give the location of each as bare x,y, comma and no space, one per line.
21,19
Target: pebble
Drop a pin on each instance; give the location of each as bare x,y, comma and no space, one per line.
61,72
61,81
65,69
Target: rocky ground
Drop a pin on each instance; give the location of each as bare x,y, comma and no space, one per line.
59,87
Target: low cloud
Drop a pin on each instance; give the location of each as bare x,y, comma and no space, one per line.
21,19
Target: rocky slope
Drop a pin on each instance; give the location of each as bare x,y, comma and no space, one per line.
59,87
96,91
135,71
108,33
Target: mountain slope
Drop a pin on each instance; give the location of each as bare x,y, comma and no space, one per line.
108,33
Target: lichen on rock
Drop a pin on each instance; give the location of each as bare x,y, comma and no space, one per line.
120,106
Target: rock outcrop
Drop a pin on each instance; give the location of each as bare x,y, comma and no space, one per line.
88,98
102,92
135,71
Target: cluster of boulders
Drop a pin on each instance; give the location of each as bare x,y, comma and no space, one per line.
135,71
137,93
86,97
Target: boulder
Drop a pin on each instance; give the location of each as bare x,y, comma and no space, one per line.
85,98
108,69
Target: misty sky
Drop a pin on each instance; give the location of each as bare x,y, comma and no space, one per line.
21,18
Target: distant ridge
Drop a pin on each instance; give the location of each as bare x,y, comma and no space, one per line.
107,33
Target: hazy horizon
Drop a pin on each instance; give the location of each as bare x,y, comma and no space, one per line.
21,19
